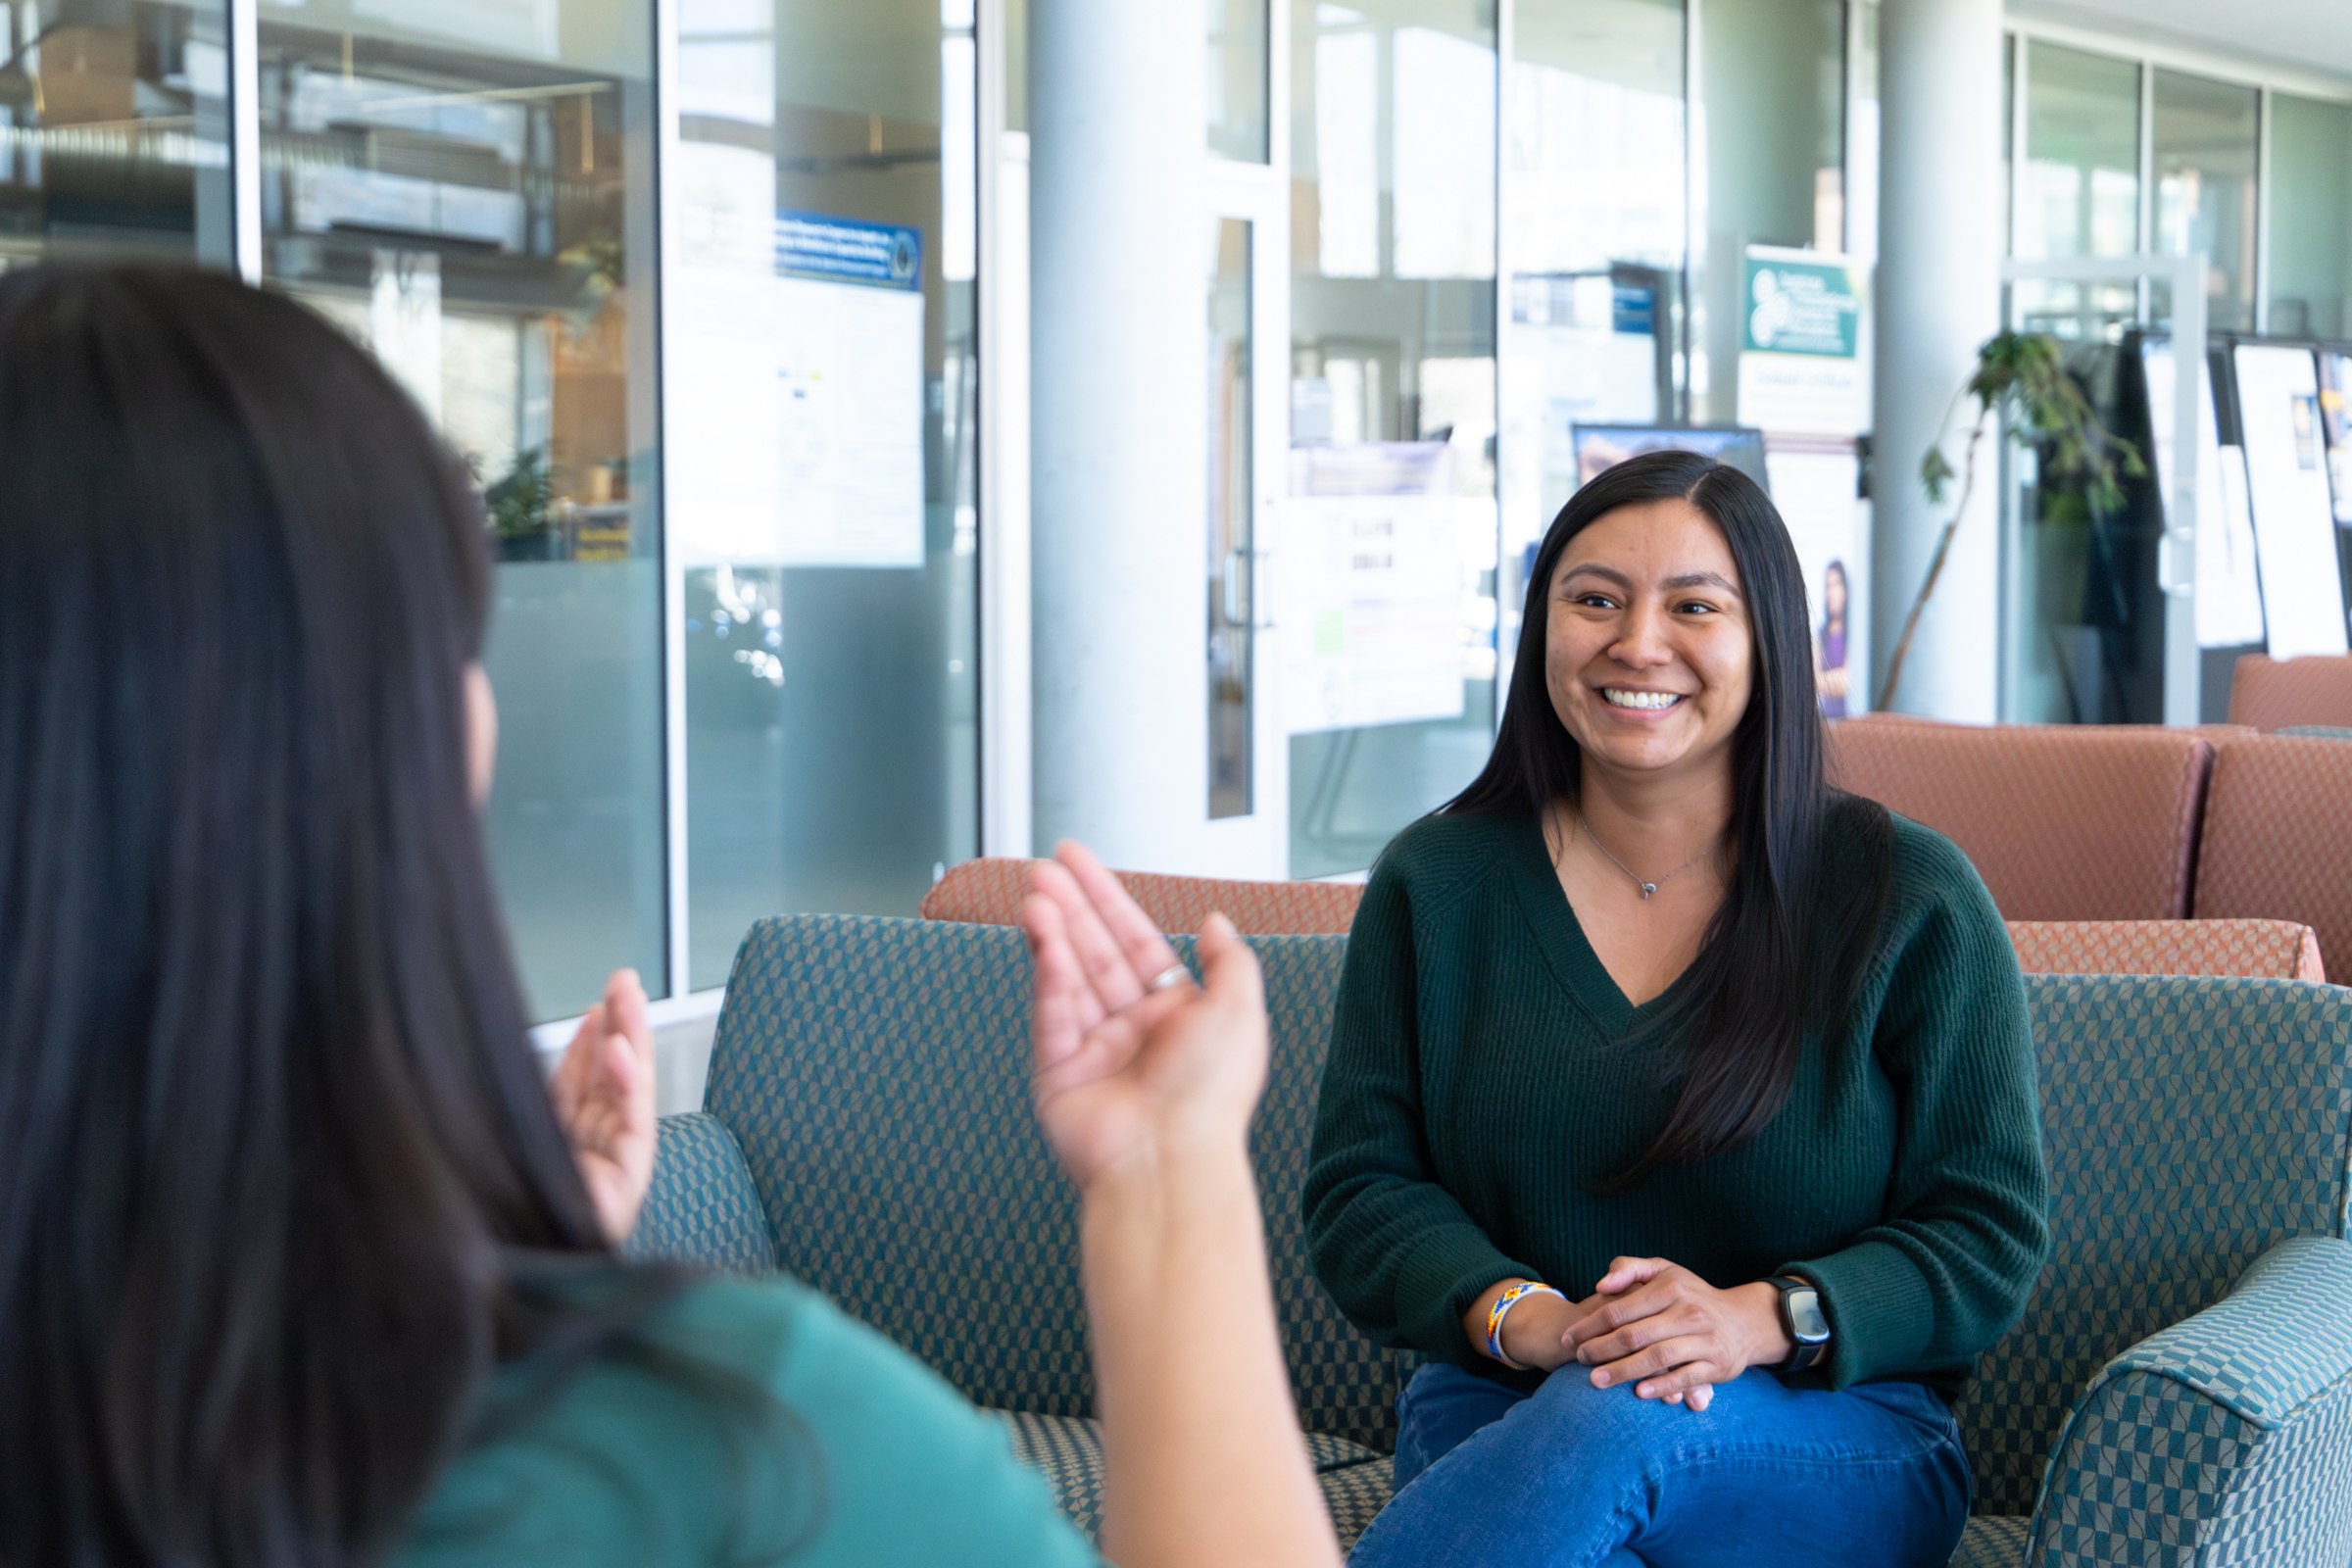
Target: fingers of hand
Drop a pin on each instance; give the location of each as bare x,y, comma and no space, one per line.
1136,934
571,1080
1663,1367
1681,1384
1616,1312
1627,1272
1231,967
1104,965
1673,1321
1065,1007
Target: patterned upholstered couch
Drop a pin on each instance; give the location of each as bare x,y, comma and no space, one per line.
2188,1355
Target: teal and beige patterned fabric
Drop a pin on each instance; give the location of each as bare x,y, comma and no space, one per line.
869,1108
701,1208
1069,1451
2189,1125
877,1074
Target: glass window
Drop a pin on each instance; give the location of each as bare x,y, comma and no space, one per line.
114,129
2310,216
1237,80
2080,194
1595,220
467,189
1230,671
820,423
2204,133
1391,532
1774,117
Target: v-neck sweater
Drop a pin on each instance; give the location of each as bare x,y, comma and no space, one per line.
1480,1083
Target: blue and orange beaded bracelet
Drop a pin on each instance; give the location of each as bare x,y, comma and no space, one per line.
1502,1309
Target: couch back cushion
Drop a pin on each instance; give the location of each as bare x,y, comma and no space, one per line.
875,1072
2063,823
2278,840
702,1207
2189,1124
990,891
2269,694
2263,950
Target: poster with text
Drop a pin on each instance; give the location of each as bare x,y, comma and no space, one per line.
796,435
1801,343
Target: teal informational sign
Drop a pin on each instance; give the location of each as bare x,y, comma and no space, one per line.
1801,308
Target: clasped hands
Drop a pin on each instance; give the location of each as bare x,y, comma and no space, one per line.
1652,1324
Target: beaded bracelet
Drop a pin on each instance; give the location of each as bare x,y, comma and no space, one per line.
1502,1309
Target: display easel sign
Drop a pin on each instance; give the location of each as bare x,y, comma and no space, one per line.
2295,518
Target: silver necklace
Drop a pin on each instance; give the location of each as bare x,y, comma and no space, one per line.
1648,888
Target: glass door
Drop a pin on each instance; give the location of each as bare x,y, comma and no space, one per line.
1246,311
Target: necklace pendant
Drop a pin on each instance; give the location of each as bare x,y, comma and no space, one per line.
1648,888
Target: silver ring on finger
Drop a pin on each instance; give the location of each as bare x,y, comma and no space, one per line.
1175,974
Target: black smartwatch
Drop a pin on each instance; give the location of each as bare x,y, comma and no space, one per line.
1808,1329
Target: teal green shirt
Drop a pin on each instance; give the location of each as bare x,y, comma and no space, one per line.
1480,1084
640,1467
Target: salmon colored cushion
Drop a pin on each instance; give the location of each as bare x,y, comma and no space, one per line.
2272,694
2277,841
988,892
2260,950
2063,823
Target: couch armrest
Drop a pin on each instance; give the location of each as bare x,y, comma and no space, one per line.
702,1207
2229,1430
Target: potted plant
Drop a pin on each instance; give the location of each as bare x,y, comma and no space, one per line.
521,509
2021,376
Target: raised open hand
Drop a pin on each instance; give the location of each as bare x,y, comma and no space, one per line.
604,1094
1124,1071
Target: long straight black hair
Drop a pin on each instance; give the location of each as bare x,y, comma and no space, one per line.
1778,958
281,1184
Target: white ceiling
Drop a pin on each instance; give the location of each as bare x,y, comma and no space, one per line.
2302,35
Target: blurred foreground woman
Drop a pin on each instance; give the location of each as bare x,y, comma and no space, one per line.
299,1262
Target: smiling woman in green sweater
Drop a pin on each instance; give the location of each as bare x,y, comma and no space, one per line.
1679,1106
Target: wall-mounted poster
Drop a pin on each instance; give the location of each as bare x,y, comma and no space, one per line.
796,435
2294,518
1370,593
2229,586
1800,360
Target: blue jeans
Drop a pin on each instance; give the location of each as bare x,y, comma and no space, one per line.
1580,1477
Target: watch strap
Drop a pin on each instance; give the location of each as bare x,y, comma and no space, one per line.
1804,1355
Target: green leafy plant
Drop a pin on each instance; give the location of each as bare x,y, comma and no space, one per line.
518,503
2021,376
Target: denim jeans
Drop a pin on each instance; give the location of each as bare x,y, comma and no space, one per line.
1580,1477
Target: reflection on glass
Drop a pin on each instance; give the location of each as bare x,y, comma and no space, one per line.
468,190
114,129
1389,613
2311,219
1594,214
1774,114
1230,614
2080,186
821,422
1237,80
2204,133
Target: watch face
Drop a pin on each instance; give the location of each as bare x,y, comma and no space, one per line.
1806,1325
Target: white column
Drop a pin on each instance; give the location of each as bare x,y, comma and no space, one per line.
1941,208
1118,403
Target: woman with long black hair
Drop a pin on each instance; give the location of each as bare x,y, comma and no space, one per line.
1680,1107
300,1266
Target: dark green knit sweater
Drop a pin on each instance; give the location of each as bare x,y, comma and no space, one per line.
1479,1087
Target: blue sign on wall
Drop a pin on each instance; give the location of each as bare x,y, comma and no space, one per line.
845,250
